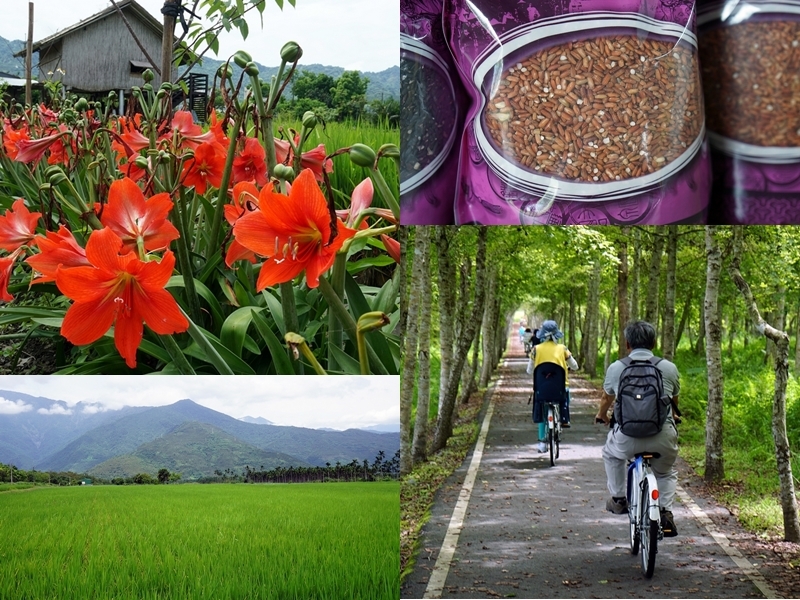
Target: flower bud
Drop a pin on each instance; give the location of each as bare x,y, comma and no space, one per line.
55,175
140,162
291,52
82,104
167,87
284,172
371,321
112,95
362,155
148,75
251,69
389,151
309,119
161,94
241,58
225,71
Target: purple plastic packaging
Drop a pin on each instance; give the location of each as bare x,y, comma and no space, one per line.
493,41
756,175
432,112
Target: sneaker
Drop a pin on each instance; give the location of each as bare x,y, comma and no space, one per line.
565,425
542,447
668,524
618,506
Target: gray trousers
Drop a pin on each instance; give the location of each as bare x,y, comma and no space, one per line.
620,447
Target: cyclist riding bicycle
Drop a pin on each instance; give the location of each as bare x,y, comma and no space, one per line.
548,350
619,447
527,340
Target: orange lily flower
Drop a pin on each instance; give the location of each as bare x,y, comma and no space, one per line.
6,266
392,247
12,137
245,200
120,290
17,226
360,200
292,232
130,140
29,150
135,219
206,168
313,159
56,250
251,164
191,133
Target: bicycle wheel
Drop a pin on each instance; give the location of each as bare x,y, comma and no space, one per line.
633,520
551,441
558,439
649,535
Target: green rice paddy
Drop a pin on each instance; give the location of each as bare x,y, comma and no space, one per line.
302,541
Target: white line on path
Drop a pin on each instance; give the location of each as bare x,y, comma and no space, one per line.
745,565
442,566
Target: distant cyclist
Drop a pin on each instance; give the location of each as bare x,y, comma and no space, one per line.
521,332
619,447
527,340
550,350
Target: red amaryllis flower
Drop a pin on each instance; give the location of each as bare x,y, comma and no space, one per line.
313,159
245,200
206,168
56,250
120,290
6,266
17,226
12,137
135,219
29,150
130,140
251,164
293,232
360,200
392,247
191,134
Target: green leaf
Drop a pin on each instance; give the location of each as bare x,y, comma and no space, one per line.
49,321
280,3
244,29
283,366
234,329
155,351
292,2
371,261
386,299
276,310
358,305
211,353
206,294
348,364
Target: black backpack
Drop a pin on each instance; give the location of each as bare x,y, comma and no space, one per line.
641,407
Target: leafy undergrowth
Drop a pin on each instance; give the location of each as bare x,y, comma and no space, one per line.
10,487
418,488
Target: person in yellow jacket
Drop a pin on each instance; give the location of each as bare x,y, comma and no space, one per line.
550,350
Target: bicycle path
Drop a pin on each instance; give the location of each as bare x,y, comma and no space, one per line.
535,531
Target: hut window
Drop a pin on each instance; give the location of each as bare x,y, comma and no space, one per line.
138,67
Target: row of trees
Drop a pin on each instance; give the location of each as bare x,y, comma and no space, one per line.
163,477
381,469
11,474
703,287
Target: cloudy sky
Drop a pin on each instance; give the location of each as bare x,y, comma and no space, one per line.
353,34
334,402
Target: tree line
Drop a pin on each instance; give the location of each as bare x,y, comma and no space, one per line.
711,291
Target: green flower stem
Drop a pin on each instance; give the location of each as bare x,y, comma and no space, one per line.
222,197
171,346
290,311
349,325
334,325
184,259
386,193
368,322
265,116
295,341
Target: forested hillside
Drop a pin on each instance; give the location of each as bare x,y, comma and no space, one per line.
726,306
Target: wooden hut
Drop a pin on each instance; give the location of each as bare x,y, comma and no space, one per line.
99,54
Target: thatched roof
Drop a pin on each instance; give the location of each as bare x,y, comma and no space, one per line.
130,5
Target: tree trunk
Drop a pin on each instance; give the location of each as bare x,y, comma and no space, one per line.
573,323
622,291
797,342
687,308
444,425
592,319
423,249
701,331
469,382
715,470
654,278
668,328
637,269
447,304
410,352
402,237
732,326
487,335
791,524
608,334
462,308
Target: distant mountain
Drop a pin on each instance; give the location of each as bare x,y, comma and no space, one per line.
32,428
195,450
125,435
382,85
386,428
256,420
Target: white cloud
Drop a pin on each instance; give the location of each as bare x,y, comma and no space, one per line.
55,409
91,409
13,407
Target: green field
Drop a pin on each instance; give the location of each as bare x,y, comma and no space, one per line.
302,541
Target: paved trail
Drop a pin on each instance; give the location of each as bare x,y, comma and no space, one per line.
535,531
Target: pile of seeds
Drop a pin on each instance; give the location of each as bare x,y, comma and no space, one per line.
427,115
598,110
751,79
